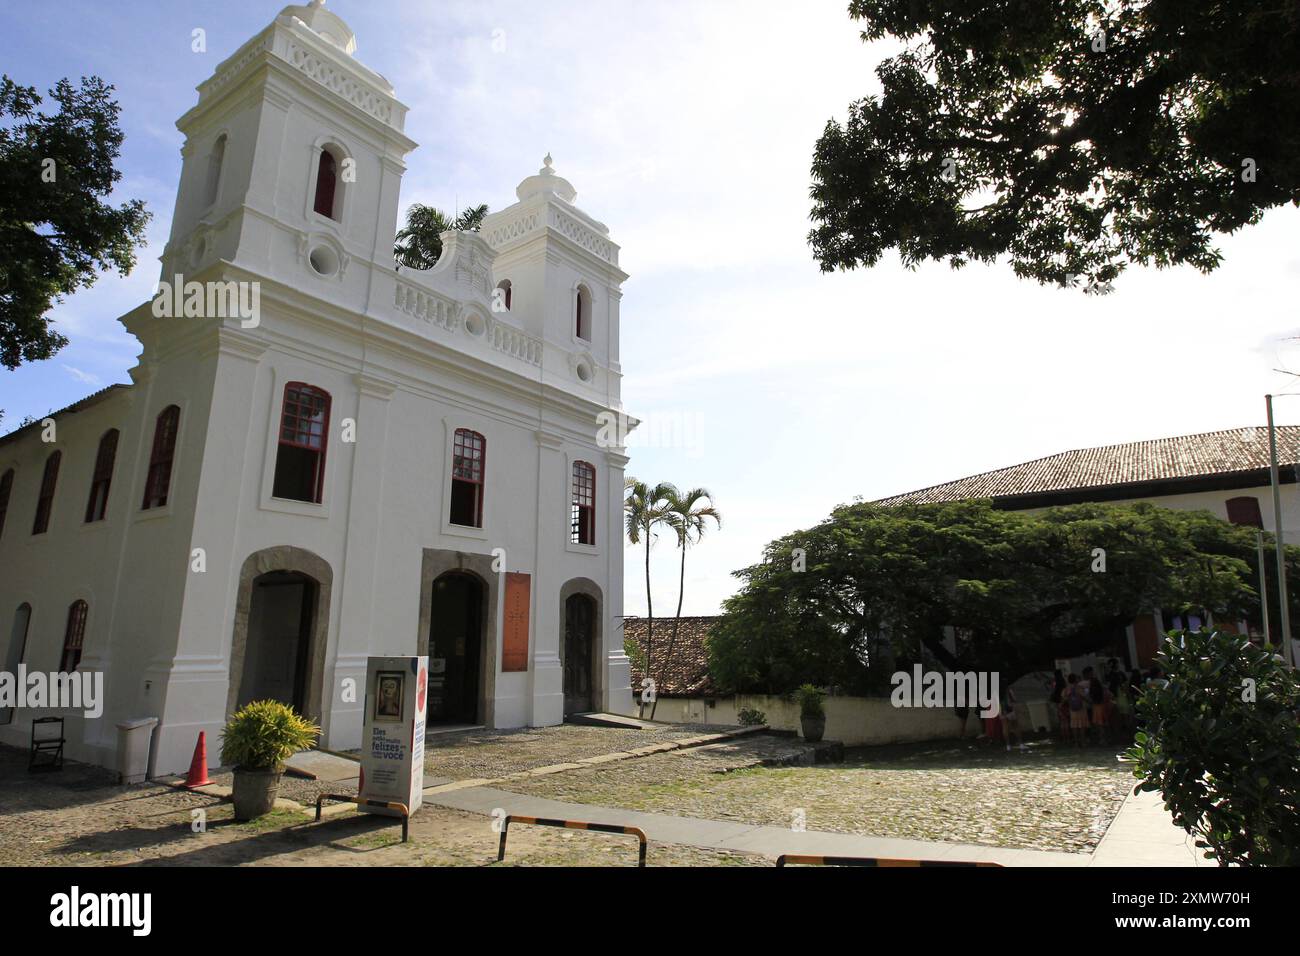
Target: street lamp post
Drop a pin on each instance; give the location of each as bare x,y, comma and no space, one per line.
1277,536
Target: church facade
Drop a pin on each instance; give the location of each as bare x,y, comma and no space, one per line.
321,457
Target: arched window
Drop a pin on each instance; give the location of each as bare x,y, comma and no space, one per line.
6,487
507,293
17,649
215,160
97,504
582,313
326,181
158,482
45,502
1245,511
304,432
73,637
582,516
469,459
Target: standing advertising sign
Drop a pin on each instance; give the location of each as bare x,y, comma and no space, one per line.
392,743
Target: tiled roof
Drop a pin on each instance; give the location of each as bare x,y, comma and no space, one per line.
1238,450
686,672
89,400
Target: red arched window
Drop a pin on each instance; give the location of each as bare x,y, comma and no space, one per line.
45,503
158,482
1245,511
507,293
304,433
74,637
583,511
469,459
97,504
326,179
6,487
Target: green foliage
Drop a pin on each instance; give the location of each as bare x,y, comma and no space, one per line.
751,717
1073,136
57,235
882,581
811,701
419,242
264,734
1221,741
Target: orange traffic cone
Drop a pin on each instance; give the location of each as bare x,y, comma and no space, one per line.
198,775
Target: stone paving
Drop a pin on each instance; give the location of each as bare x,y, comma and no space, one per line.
81,817
1049,798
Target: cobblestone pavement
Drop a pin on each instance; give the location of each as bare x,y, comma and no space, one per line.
80,817
1050,798
495,753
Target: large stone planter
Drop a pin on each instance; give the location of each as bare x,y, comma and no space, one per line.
813,728
255,792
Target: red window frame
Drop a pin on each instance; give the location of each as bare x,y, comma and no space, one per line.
469,466
305,423
582,513
6,489
101,479
74,636
45,500
157,484
326,184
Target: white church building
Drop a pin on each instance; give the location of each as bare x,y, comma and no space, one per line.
377,462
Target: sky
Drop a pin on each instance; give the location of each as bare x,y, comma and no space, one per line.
688,128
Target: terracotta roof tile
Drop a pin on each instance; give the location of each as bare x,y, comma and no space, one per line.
686,674
1162,459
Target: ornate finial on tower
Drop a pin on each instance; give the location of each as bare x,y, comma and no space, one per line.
549,181
328,24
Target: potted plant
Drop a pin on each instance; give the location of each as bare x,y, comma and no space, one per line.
812,715
257,741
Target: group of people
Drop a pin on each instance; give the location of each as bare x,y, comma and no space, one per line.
1098,709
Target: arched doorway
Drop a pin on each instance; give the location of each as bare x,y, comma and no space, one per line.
17,650
579,652
281,630
457,614
281,616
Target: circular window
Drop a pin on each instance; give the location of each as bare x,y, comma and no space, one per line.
584,371
474,324
324,261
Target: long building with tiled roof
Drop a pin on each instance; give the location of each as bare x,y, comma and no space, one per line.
1224,460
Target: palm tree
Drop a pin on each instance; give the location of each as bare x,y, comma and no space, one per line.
419,242
645,509
688,515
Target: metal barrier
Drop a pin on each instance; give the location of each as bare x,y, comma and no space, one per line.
380,804
572,825
785,858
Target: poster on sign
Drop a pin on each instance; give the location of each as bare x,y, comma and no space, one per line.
392,743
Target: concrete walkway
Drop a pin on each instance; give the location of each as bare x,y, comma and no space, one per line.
1144,834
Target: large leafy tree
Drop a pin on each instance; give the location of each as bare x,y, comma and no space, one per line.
875,582
56,230
419,242
1072,136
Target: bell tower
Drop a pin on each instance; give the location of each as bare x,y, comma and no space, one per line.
293,160
564,279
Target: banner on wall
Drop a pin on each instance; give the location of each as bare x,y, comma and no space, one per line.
392,743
